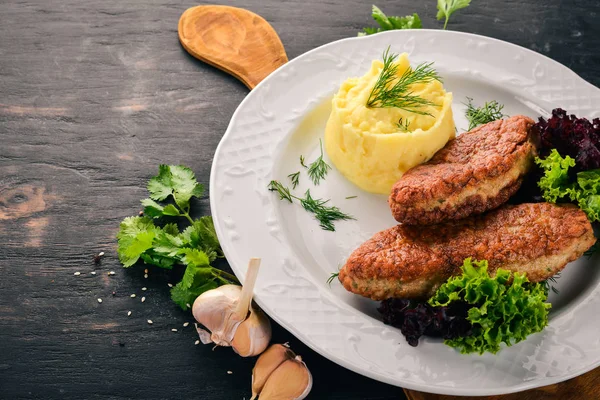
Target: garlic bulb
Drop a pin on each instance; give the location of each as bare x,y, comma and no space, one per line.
279,374
231,318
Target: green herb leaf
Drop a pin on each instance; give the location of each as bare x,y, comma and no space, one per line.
294,178
447,7
201,235
393,91
175,180
506,308
391,23
403,125
195,247
491,111
332,277
319,168
284,192
199,277
134,238
326,215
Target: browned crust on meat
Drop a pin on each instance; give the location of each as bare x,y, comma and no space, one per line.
412,262
476,172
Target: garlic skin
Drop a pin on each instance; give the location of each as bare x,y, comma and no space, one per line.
214,309
230,317
253,335
290,381
268,362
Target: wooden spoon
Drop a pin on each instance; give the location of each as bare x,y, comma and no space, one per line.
232,39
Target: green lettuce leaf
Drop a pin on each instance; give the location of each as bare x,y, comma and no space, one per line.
555,183
506,307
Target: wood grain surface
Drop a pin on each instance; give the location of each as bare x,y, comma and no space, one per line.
93,96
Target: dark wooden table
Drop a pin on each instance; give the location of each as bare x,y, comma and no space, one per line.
93,96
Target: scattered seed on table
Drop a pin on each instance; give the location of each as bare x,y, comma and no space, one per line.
111,273
145,276
185,324
229,372
150,322
132,295
146,270
188,305
93,272
99,300
197,342
141,213
144,288
169,284
143,299
128,313
114,293
77,273
100,254
174,330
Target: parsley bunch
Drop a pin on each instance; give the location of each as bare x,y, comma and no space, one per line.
195,247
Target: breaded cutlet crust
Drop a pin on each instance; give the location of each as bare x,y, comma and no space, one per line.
412,262
476,172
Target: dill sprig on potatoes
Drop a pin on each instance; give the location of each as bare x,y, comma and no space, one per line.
387,93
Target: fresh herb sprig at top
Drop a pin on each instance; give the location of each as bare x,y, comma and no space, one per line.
393,91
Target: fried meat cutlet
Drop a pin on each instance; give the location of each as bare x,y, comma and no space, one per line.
413,261
476,172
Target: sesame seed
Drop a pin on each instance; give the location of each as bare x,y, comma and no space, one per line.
145,276
100,254
197,342
93,272
77,273
141,213
188,305
169,284
185,324
229,372
111,273
143,299
128,313
150,321
132,295
144,288
174,330
99,300
146,270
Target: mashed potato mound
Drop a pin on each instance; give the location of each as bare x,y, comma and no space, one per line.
366,144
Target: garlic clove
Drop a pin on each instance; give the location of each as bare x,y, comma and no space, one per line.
289,381
253,335
268,361
215,310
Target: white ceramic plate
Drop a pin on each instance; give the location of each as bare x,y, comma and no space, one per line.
284,117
